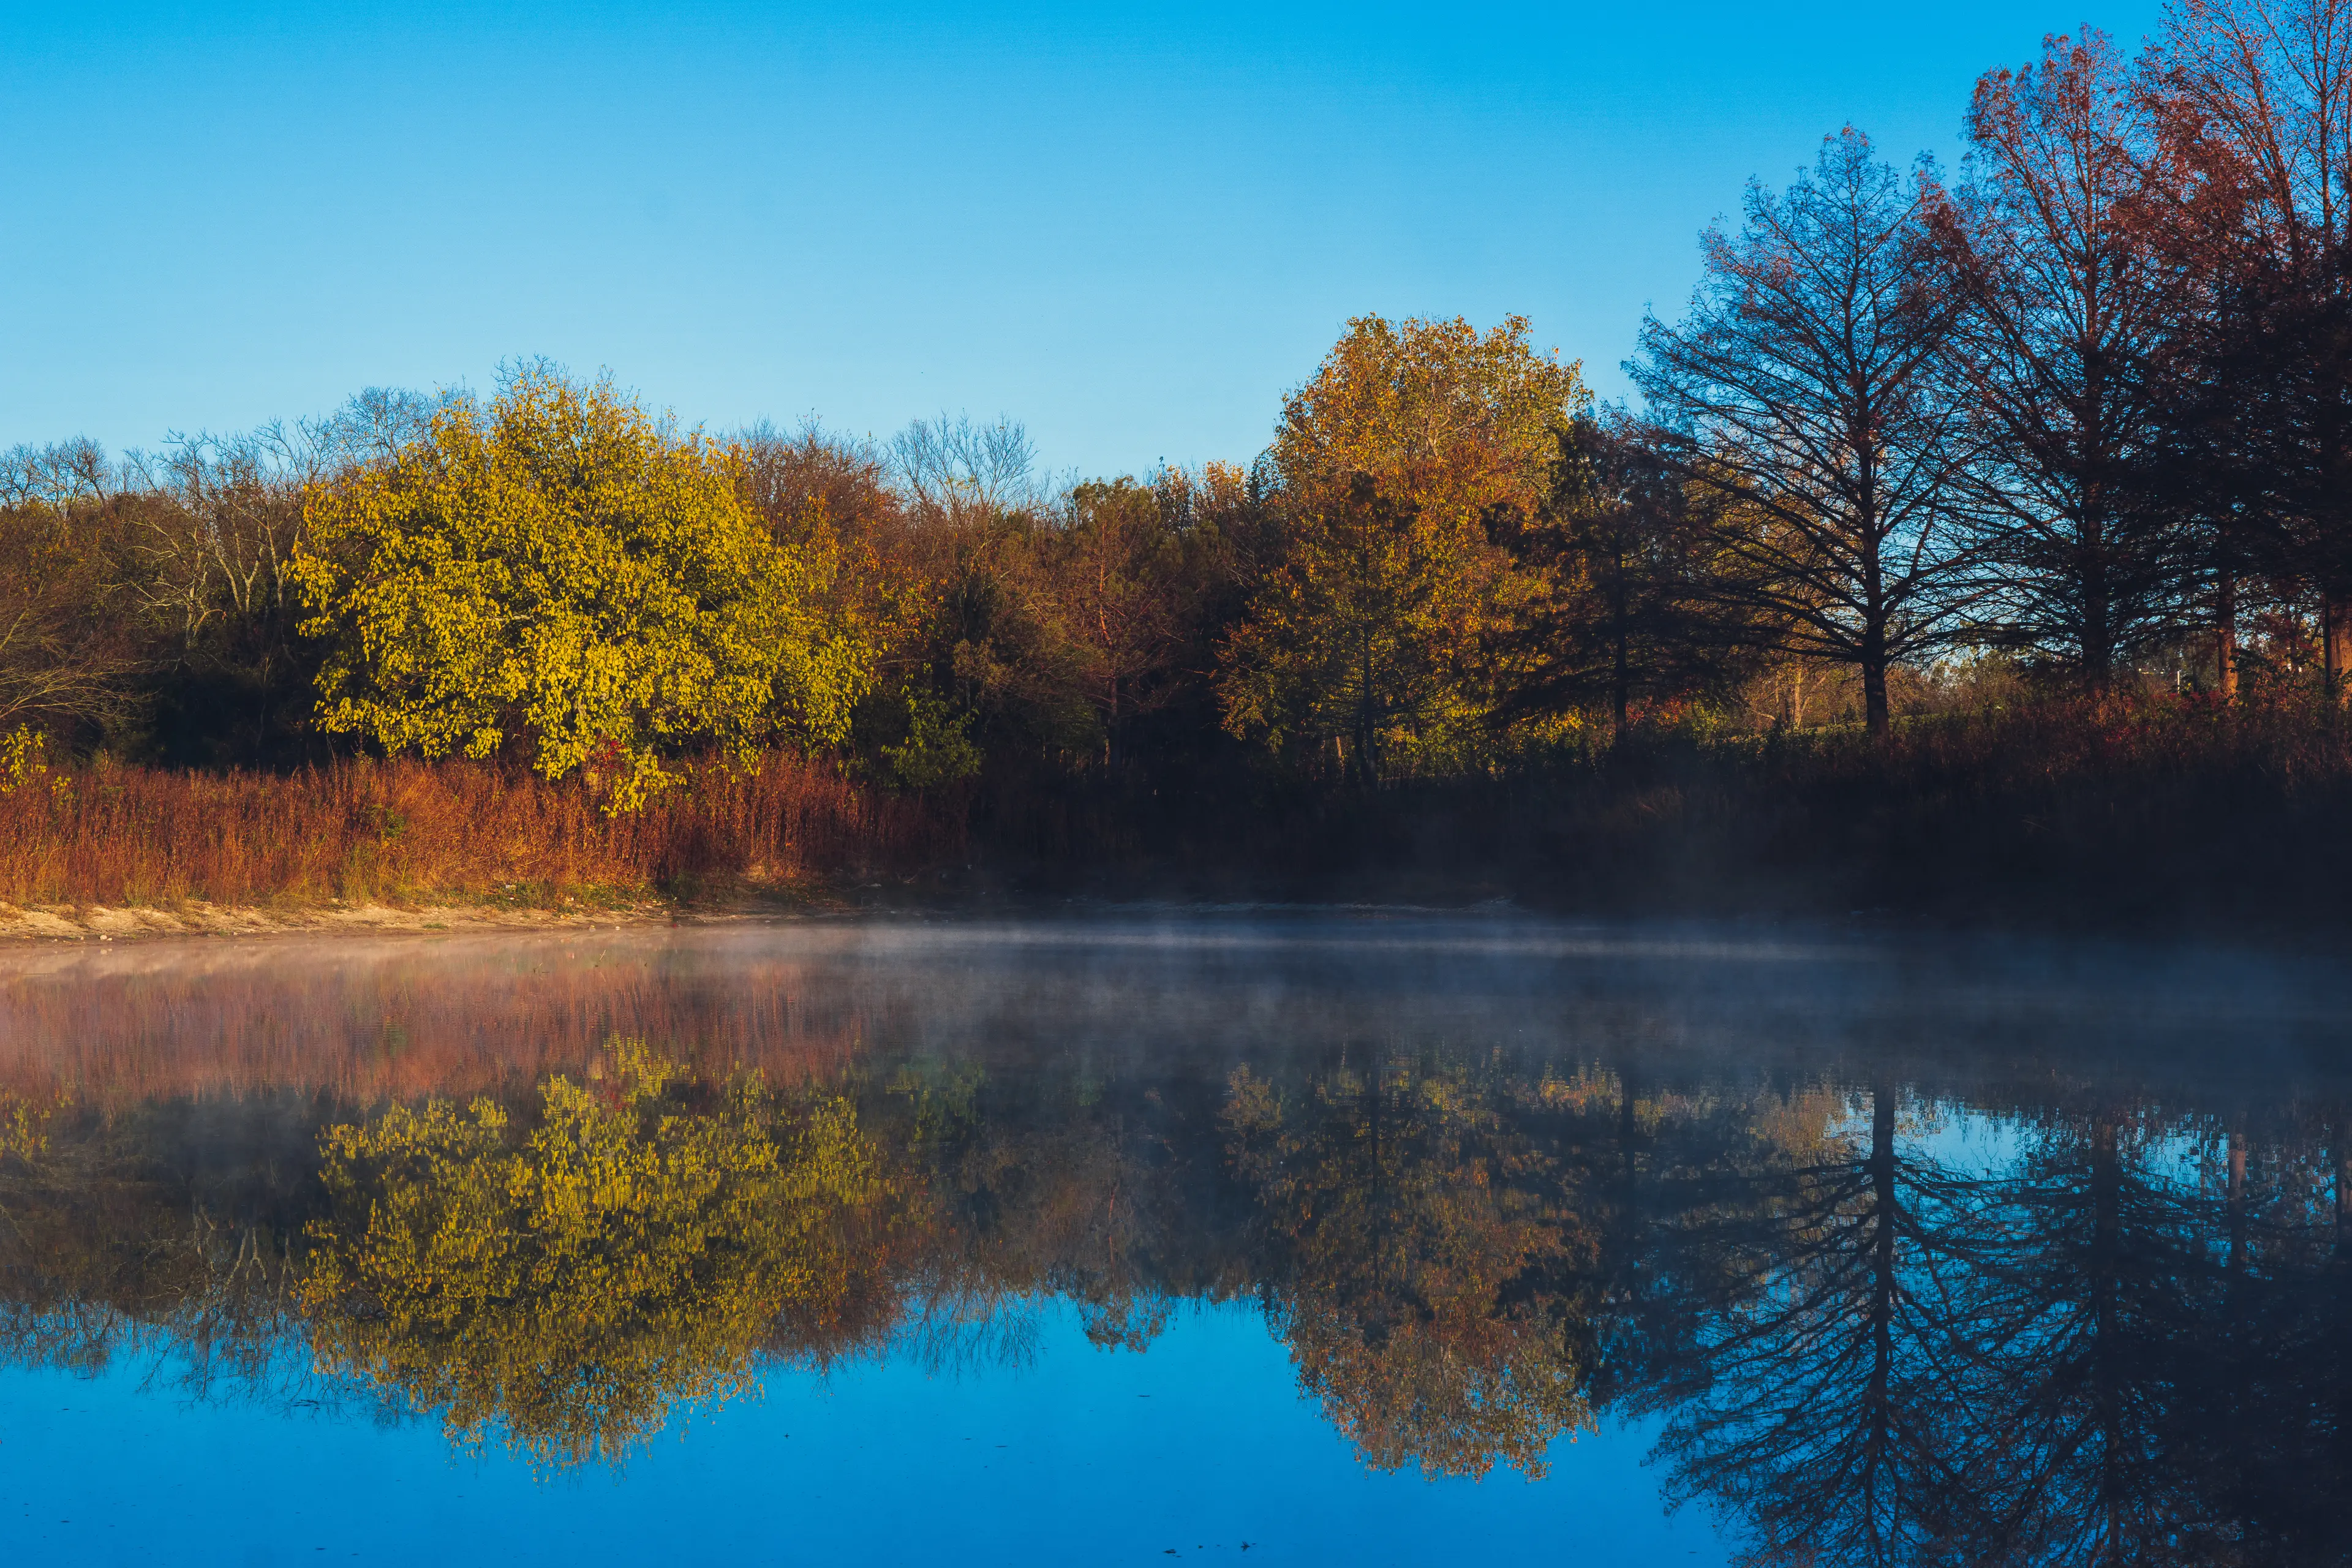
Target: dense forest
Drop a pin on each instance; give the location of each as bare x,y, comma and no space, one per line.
1978,537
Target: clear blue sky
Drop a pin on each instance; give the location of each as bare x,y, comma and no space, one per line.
1129,226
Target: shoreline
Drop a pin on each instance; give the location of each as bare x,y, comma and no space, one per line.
26,925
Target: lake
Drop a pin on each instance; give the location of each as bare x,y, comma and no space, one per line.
1337,1237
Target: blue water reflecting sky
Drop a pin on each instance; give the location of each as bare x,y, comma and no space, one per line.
1083,1455
1846,1226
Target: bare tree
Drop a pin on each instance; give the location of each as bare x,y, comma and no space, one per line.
378,421
2068,303
812,478
1805,388
60,476
2258,94
222,545
953,463
65,656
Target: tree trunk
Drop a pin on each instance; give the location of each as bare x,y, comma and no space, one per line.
2225,636
2342,1159
1874,684
2098,634
1884,1279
1621,676
1618,693
2334,637
2106,1251
2237,1199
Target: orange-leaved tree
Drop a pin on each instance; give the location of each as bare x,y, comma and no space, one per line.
1364,641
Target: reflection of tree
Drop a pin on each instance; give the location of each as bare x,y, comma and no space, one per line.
2070,1357
636,1248
2099,1320
2265,1431
1656,1163
125,1234
1416,1224
2122,1334
1069,1185
1832,1415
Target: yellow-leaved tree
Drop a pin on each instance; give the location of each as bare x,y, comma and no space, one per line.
1354,640
561,569
1365,641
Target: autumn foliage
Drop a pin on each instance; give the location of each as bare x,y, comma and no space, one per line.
559,570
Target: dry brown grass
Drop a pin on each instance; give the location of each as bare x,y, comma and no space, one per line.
367,831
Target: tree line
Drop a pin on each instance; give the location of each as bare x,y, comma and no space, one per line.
2084,404
2075,419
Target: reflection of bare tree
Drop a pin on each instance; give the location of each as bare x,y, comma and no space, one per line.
2262,1425
2071,1356
1657,1161
2093,1331
144,1236
1834,1418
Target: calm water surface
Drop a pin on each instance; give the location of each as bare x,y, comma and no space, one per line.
1361,1239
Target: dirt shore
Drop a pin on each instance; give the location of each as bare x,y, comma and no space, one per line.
98,922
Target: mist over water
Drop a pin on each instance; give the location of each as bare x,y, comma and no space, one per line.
1370,1235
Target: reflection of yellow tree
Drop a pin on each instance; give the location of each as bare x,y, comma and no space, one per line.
634,1249
1425,1236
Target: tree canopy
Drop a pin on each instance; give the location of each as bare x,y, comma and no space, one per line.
1366,638
561,571
1440,415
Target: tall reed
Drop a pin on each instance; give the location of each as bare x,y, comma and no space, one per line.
363,830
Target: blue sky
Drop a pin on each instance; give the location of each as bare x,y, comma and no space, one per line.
1131,228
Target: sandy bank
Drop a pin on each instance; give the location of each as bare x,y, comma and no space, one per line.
98,922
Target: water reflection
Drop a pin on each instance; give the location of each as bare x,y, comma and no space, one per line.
1420,1249
642,1245
1917,1258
